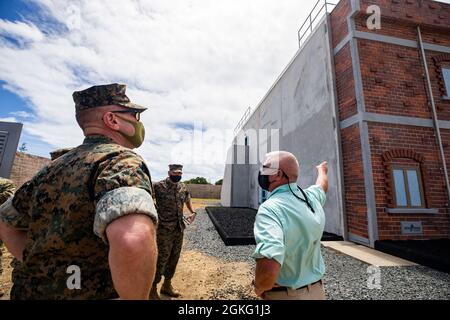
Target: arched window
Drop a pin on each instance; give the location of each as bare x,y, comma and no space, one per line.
405,179
442,68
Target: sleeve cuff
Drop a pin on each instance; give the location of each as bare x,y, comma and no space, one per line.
269,252
121,202
11,217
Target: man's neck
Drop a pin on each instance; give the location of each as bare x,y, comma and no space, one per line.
114,136
282,183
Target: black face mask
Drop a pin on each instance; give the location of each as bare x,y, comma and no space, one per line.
175,179
263,181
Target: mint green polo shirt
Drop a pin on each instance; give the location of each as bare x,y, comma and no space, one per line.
287,231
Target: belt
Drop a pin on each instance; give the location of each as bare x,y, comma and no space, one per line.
286,288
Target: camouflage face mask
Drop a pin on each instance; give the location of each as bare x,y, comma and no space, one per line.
139,133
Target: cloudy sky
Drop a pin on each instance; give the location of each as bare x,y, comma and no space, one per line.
199,64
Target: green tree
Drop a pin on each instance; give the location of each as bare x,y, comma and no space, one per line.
219,182
198,180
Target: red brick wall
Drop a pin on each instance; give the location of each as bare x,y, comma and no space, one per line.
393,80
403,30
355,196
412,12
25,167
345,85
437,83
338,18
393,84
385,137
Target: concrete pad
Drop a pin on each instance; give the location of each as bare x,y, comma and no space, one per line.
366,254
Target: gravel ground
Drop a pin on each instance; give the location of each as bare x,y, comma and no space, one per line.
346,277
203,236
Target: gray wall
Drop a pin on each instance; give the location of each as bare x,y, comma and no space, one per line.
9,140
235,191
204,191
301,104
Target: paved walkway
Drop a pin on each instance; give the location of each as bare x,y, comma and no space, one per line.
367,255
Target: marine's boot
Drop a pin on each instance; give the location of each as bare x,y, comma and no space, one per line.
168,289
154,293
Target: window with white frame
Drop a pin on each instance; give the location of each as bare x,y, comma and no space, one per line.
408,190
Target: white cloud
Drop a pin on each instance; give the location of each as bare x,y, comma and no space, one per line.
22,114
8,119
190,60
20,31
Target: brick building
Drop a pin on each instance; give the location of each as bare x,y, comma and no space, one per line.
385,111
26,166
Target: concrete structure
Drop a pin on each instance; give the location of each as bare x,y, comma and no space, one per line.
9,140
204,191
364,100
26,166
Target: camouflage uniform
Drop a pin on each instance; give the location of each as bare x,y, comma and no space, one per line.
65,210
170,198
7,189
58,153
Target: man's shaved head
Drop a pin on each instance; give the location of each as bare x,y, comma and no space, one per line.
284,161
93,116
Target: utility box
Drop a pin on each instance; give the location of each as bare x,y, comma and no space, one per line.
9,140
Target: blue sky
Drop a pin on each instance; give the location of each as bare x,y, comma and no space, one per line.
198,64
12,104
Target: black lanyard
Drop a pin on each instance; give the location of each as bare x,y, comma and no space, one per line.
306,200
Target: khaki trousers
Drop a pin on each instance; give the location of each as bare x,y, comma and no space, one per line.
311,292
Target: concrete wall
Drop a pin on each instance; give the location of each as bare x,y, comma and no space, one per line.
235,191
301,106
225,193
204,191
25,167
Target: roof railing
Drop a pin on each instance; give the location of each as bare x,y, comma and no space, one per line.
243,120
321,8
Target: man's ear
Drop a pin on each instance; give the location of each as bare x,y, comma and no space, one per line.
110,121
280,174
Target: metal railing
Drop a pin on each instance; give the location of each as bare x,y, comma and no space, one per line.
243,120
321,8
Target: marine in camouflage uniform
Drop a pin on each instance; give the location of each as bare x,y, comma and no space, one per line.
67,206
170,199
7,189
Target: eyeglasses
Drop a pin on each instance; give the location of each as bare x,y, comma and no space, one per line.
135,113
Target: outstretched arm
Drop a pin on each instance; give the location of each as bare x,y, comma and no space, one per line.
322,179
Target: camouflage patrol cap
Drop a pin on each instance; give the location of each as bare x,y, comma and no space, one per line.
59,152
104,95
176,168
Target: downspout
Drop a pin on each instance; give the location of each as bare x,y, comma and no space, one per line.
433,108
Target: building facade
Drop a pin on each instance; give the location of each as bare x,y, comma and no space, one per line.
373,100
